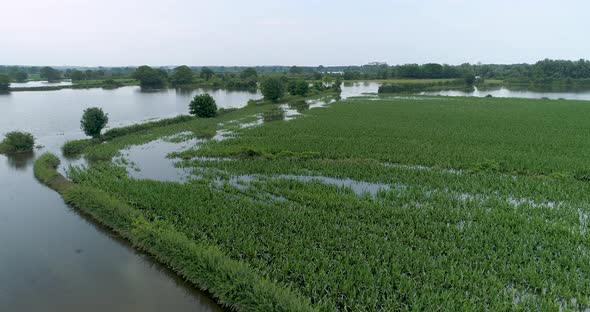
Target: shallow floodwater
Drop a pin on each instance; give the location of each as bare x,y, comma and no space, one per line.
504,92
51,257
359,88
32,84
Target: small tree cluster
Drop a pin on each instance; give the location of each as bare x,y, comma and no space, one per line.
93,121
203,105
298,87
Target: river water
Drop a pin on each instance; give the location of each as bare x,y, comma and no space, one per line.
51,257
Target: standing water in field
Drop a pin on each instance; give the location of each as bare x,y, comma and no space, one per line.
504,92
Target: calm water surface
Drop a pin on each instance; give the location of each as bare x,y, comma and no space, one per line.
507,93
31,84
54,259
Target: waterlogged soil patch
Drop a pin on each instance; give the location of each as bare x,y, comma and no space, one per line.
360,188
150,160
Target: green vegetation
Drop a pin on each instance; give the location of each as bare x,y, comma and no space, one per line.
150,78
203,105
272,89
411,86
233,283
45,171
93,121
397,203
298,87
207,73
21,76
4,83
182,76
50,74
17,142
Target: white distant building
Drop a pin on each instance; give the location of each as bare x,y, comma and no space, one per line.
377,63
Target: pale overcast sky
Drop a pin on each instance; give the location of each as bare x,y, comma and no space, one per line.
291,32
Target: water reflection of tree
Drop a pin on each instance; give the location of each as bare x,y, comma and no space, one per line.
20,161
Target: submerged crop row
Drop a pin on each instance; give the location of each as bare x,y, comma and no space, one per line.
361,206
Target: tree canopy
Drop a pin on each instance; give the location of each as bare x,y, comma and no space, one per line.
203,105
272,88
249,73
182,76
207,73
50,73
4,83
150,78
93,121
298,87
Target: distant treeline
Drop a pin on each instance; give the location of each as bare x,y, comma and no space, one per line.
543,71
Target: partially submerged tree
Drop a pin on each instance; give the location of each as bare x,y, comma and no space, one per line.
272,88
4,83
17,142
182,76
93,121
203,105
150,78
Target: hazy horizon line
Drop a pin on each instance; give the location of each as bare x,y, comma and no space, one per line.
297,65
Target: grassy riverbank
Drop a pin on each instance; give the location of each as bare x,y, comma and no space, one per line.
396,203
232,283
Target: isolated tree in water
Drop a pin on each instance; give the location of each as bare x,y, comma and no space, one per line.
93,121
203,106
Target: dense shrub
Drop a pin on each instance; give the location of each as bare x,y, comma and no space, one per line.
16,142
203,105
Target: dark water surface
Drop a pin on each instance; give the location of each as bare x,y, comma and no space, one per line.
51,257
